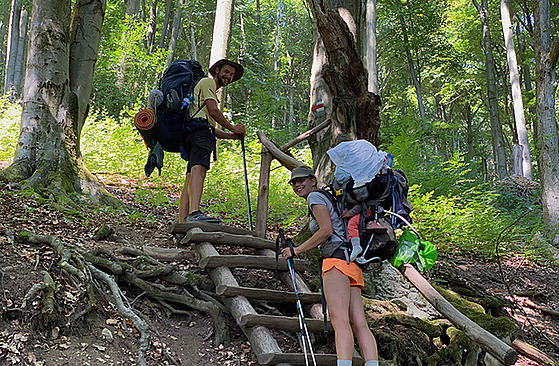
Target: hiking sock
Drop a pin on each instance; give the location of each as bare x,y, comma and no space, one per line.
355,251
344,362
371,363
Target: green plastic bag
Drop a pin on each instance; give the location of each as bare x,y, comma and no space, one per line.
411,249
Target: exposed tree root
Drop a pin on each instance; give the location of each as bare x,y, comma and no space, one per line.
90,272
71,183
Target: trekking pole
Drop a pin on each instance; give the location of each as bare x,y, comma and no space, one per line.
246,183
305,337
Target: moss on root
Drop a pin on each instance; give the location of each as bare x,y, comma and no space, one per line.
499,326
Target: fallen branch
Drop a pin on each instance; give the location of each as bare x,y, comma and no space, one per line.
532,353
489,342
306,135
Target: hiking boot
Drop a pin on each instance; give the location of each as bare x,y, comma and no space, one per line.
374,227
198,216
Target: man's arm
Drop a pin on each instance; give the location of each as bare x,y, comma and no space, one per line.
218,116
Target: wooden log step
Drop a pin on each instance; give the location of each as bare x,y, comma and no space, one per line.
229,239
299,359
287,323
249,261
268,295
177,228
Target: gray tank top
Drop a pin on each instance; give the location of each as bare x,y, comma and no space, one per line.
336,240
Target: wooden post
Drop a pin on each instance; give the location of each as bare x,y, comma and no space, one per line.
263,193
287,161
260,338
491,344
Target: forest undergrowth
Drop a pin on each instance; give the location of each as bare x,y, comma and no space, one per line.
479,229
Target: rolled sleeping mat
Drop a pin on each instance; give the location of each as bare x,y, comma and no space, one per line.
145,121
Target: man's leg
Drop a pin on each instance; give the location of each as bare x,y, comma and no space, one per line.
196,187
184,202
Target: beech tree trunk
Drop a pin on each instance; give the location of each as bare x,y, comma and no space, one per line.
165,25
55,94
518,104
12,46
546,53
19,66
340,81
371,46
414,74
85,33
221,31
133,8
496,129
178,20
150,36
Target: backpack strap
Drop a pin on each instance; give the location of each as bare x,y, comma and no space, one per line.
346,245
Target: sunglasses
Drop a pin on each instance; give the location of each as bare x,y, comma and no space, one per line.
296,181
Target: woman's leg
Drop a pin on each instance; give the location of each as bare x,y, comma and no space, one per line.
337,294
366,340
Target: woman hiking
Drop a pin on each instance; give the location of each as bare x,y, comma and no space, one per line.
343,282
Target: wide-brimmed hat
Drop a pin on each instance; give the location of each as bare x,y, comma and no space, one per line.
239,69
302,171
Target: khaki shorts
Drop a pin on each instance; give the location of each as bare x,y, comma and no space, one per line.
351,270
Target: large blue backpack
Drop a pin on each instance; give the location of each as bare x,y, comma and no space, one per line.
173,120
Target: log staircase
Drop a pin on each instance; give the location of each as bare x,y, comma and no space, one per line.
240,300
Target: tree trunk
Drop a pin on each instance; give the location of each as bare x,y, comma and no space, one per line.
371,46
194,51
221,31
340,81
47,155
11,52
133,8
19,67
175,33
85,33
415,78
496,128
165,25
150,36
518,104
546,54
526,77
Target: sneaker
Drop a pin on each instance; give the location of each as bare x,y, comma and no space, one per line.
375,228
198,216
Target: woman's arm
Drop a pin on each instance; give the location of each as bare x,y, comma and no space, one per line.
324,221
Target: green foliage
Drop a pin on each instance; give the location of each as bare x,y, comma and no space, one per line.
10,118
471,223
125,71
226,192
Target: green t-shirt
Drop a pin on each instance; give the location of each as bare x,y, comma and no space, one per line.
204,90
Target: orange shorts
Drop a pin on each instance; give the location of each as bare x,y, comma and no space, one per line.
351,270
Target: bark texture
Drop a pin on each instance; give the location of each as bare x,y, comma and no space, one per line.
518,104
178,20
546,53
222,30
47,155
340,80
12,46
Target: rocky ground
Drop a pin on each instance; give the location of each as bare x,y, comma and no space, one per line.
105,338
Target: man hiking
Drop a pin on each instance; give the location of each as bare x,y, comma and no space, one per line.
200,143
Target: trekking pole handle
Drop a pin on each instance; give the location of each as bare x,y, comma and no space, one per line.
286,243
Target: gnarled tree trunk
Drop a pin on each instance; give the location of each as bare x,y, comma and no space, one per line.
340,81
55,99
